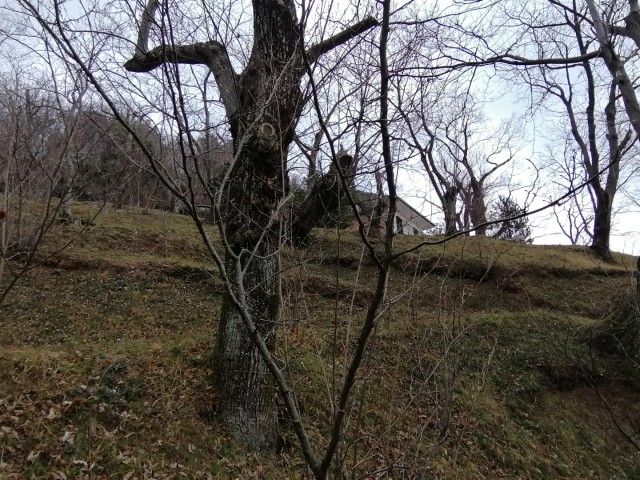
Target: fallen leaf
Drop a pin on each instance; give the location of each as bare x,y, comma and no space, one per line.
33,456
53,413
67,438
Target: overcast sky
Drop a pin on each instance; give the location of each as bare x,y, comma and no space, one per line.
625,236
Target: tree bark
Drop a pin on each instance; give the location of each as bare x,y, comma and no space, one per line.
324,196
449,201
478,209
602,225
375,222
245,391
616,66
269,102
605,195
631,27
312,158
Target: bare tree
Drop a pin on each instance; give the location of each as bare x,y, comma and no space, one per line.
443,174
459,154
39,118
262,105
575,216
576,88
614,61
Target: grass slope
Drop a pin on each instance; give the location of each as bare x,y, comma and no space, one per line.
479,368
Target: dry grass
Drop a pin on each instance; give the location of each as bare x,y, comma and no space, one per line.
478,369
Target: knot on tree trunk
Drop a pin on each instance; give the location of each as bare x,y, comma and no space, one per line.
264,139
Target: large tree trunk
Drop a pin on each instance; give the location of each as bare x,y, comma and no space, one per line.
262,105
269,104
245,403
244,385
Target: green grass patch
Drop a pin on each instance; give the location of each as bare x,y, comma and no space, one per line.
478,368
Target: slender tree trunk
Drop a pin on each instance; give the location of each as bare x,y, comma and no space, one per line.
604,195
66,203
450,214
4,212
375,223
478,209
312,158
602,226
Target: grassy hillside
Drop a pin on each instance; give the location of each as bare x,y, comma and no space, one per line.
480,368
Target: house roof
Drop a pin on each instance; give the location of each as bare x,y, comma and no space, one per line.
367,202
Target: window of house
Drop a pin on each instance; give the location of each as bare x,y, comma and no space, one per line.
398,224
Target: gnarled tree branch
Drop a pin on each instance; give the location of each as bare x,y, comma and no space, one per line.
631,27
314,52
212,54
195,54
324,196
